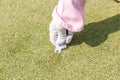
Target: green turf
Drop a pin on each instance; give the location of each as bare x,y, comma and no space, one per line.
27,54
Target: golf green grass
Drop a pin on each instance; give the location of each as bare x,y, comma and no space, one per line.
27,54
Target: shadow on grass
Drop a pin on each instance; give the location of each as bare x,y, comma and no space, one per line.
96,33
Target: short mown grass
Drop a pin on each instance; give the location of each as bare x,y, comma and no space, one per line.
27,54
